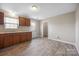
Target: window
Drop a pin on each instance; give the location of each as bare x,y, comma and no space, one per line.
11,23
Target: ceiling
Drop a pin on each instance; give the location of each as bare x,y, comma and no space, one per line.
45,10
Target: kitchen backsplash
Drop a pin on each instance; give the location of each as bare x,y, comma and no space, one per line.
20,28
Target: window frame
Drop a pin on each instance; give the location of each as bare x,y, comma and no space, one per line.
11,23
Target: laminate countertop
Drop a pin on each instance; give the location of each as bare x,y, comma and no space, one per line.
14,32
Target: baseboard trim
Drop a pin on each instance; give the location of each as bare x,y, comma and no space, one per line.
64,41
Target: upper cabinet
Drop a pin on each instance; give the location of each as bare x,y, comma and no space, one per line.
28,22
1,18
24,21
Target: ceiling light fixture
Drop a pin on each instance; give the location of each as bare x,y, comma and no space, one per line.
34,8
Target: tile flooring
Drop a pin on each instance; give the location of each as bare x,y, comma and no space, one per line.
40,47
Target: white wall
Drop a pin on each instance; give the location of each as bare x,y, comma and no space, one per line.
35,28
61,27
77,29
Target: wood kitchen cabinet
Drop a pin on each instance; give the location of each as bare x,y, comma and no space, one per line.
1,18
1,40
28,22
29,35
24,21
23,37
9,39
16,38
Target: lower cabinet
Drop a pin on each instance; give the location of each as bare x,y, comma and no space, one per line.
29,35
6,40
23,37
16,38
10,39
1,40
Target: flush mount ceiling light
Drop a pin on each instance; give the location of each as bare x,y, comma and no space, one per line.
34,8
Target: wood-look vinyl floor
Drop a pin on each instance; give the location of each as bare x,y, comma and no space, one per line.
40,47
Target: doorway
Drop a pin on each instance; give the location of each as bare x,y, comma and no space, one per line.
45,29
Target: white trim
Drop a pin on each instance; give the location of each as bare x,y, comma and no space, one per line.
64,41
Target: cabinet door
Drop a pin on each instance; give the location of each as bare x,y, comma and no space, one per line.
16,38
1,18
6,40
1,40
11,38
28,22
22,37
22,21
29,35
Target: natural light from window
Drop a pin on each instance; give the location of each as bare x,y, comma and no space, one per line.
11,23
